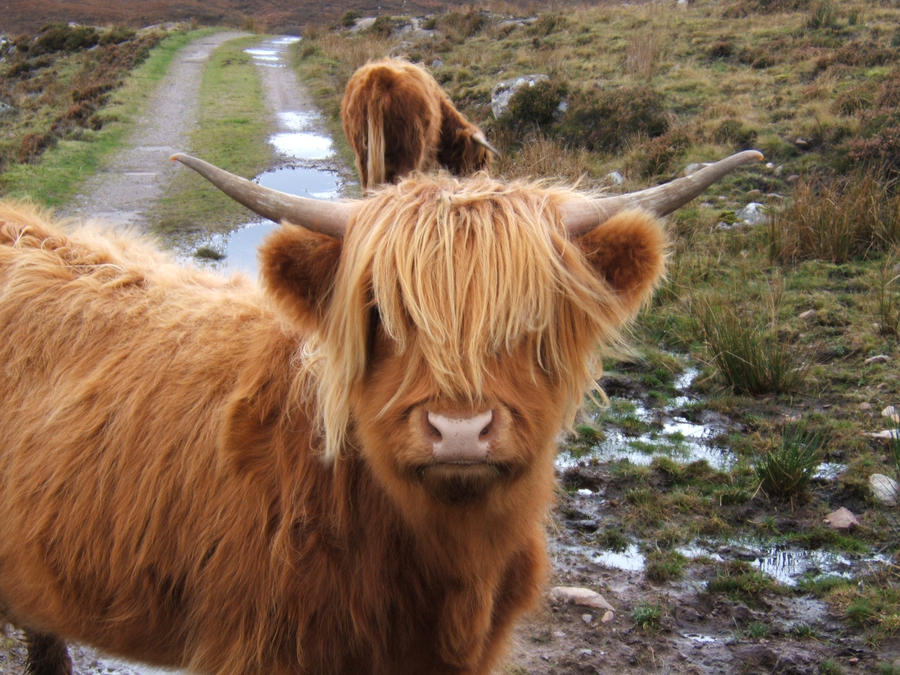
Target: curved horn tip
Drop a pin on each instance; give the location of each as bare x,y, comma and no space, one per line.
753,154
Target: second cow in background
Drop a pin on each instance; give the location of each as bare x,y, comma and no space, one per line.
398,119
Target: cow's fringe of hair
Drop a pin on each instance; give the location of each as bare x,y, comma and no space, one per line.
463,272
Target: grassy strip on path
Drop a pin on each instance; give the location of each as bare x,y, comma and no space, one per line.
58,176
232,126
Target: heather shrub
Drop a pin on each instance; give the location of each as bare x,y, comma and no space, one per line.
62,37
460,26
604,120
734,133
658,155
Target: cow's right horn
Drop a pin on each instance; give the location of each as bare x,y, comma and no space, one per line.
330,218
583,216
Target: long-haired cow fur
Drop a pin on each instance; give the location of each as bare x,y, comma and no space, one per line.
398,120
201,473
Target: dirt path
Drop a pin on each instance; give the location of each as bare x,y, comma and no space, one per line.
126,188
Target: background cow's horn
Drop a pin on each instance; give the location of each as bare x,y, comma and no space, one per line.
583,216
314,214
481,139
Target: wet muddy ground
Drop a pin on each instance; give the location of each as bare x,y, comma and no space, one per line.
683,625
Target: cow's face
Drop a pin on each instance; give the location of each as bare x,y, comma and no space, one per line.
455,330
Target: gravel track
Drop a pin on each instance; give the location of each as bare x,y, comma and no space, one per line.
125,189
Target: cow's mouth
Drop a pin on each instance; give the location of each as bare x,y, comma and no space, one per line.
461,483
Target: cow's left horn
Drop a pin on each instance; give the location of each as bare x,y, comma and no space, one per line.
583,216
482,140
314,214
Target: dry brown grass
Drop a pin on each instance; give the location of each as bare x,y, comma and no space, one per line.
836,220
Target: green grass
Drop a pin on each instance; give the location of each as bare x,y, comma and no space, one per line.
784,471
663,566
231,132
647,617
62,169
740,582
749,355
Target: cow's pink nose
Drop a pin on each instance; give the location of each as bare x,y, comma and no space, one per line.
461,440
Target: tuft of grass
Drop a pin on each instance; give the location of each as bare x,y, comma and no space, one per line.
887,293
741,582
784,472
208,253
757,630
663,566
872,605
836,220
830,667
647,617
750,356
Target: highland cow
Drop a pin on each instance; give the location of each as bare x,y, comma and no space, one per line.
398,120
343,471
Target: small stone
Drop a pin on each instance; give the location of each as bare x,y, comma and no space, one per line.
608,616
884,489
753,213
808,314
842,519
615,178
865,406
892,414
587,618
881,358
801,143
579,596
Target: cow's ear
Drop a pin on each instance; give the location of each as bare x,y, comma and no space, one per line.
628,251
298,268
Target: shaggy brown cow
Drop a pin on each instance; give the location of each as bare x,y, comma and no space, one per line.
399,120
343,472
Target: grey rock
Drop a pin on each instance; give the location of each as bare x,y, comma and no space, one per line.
503,91
753,213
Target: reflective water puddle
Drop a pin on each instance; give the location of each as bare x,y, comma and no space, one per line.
636,433
785,564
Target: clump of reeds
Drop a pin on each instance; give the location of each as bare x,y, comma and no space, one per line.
836,220
746,350
784,472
